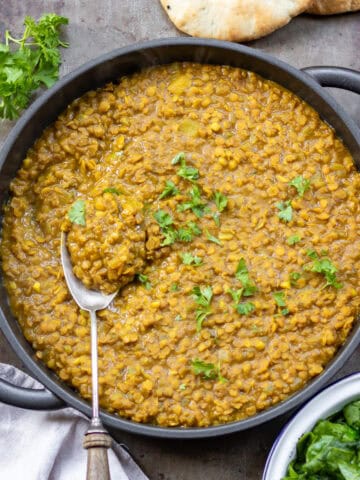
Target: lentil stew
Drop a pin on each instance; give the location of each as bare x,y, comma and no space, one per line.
228,212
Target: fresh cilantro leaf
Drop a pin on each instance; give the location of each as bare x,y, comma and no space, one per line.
189,259
221,201
293,239
144,279
174,287
178,318
245,308
29,62
294,277
216,217
279,298
209,371
301,184
312,254
179,157
212,238
285,311
236,295
286,211
77,213
202,297
186,234
185,171
165,222
170,190
113,190
182,386
242,274
328,269
194,204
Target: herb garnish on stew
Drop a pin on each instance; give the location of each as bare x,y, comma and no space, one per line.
202,297
77,213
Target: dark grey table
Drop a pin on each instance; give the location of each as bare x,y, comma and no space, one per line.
99,26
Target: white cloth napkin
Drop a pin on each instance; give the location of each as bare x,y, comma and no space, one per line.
48,445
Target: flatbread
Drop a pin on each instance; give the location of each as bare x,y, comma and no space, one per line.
329,7
234,20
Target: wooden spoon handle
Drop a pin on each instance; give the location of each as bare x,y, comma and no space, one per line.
97,444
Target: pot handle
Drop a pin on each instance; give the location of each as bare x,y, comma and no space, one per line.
28,397
336,77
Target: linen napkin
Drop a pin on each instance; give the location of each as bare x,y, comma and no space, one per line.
48,445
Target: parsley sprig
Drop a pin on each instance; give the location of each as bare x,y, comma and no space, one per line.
29,62
202,297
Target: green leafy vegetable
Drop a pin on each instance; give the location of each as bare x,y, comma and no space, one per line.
174,287
144,279
77,213
182,386
293,239
113,190
165,222
245,308
179,157
212,238
186,234
216,217
286,211
221,201
202,297
328,269
170,190
185,171
209,371
331,451
189,259
312,254
279,298
195,204
29,62
242,274
294,277
301,184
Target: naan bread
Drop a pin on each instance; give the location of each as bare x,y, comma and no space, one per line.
328,7
235,20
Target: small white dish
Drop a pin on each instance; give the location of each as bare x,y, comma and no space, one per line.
329,401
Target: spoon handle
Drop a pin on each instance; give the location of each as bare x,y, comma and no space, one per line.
97,444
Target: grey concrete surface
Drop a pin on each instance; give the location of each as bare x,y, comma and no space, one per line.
100,26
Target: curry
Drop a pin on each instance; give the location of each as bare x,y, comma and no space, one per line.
225,210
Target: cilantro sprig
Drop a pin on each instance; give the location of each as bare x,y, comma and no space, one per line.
144,279
301,184
190,259
185,171
195,203
325,267
242,274
165,222
202,297
221,201
170,190
286,211
187,233
29,62
208,371
77,212
280,301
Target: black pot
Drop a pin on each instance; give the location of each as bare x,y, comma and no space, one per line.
307,84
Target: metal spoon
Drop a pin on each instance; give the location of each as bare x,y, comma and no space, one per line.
97,440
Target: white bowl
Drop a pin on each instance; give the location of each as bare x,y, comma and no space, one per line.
330,400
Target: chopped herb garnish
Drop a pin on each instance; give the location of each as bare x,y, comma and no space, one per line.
202,297
279,298
236,295
178,318
77,213
174,287
170,190
209,371
165,222
328,269
294,277
301,184
186,234
194,204
242,274
293,239
182,386
113,190
221,201
212,238
312,254
144,279
216,217
185,171
245,308
178,158
286,210
189,259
